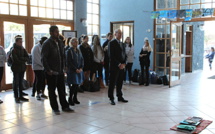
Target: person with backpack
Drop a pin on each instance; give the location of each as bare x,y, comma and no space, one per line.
2,63
37,66
75,64
144,59
19,57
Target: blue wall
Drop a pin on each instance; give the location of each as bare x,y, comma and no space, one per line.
129,10
80,11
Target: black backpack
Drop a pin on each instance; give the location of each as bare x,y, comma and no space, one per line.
9,57
135,75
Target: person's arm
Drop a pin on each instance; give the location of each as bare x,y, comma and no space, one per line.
36,54
3,56
112,53
16,58
44,56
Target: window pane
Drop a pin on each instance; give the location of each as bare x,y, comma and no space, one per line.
23,10
34,2
13,9
185,7
159,71
42,12
70,15
184,2
62,4
194,1
209,5
4,0
95,19
89,18
69,5
172,4
206,1
95,9
96,1
197,6
34,11
213,5
49,13
23,2
56,4
89,30
63,14
13,1
167,31
160,21
89,0
160,4
160,60
49,3
4,8
160,31
42,3
160,45
56,14
95,29
89,7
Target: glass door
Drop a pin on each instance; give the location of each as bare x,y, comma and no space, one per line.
11,29
175,58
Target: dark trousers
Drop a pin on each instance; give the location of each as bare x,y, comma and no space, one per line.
56,81
106,74
145,72
39,82
97,69
73,91
17,84
116,78
128,68
1,73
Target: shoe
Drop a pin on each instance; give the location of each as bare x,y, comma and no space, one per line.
68,110
1,101
33,95
44,96
122,100
38,97
23,99
57,112
24,94
80,89
112,102
17,100
71,102
76,101
147,84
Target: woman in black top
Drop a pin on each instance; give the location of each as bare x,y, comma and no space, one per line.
87,54
144,59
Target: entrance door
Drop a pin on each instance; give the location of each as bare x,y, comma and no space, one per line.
188,58
175,60
11,29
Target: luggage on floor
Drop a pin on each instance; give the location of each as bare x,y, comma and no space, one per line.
165,80
135,75
153,78
25,84
159,80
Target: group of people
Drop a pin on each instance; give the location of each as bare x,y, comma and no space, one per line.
51,60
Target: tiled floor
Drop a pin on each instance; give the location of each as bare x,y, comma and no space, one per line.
151,110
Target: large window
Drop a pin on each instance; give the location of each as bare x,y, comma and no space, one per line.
13,7
93,17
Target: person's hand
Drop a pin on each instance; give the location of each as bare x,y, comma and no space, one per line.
121,66
106,48
80,70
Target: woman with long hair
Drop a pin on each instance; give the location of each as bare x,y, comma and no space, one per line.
144,59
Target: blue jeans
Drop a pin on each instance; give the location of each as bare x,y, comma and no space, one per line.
17,84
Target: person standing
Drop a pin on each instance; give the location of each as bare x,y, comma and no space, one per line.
98,59
75,63
116,51
210,57
53,59
144,59
129,49
18,67
37,66
106,57
2,63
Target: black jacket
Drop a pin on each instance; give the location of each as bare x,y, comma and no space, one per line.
20,57
106,59
145,60
53,55
116,54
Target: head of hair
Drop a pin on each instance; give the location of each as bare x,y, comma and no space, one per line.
129,42
61,37
68,40
52,28
43,39
117,30
95,40
72,40
84,37
212,48
18,37
108,34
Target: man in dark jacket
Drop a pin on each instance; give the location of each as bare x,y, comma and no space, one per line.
116,51
18,67
106,59
53,59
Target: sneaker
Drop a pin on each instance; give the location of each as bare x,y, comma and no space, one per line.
33,95
68,110
38,97
24,94
1,101
57,112
44,96
23,99
17,100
